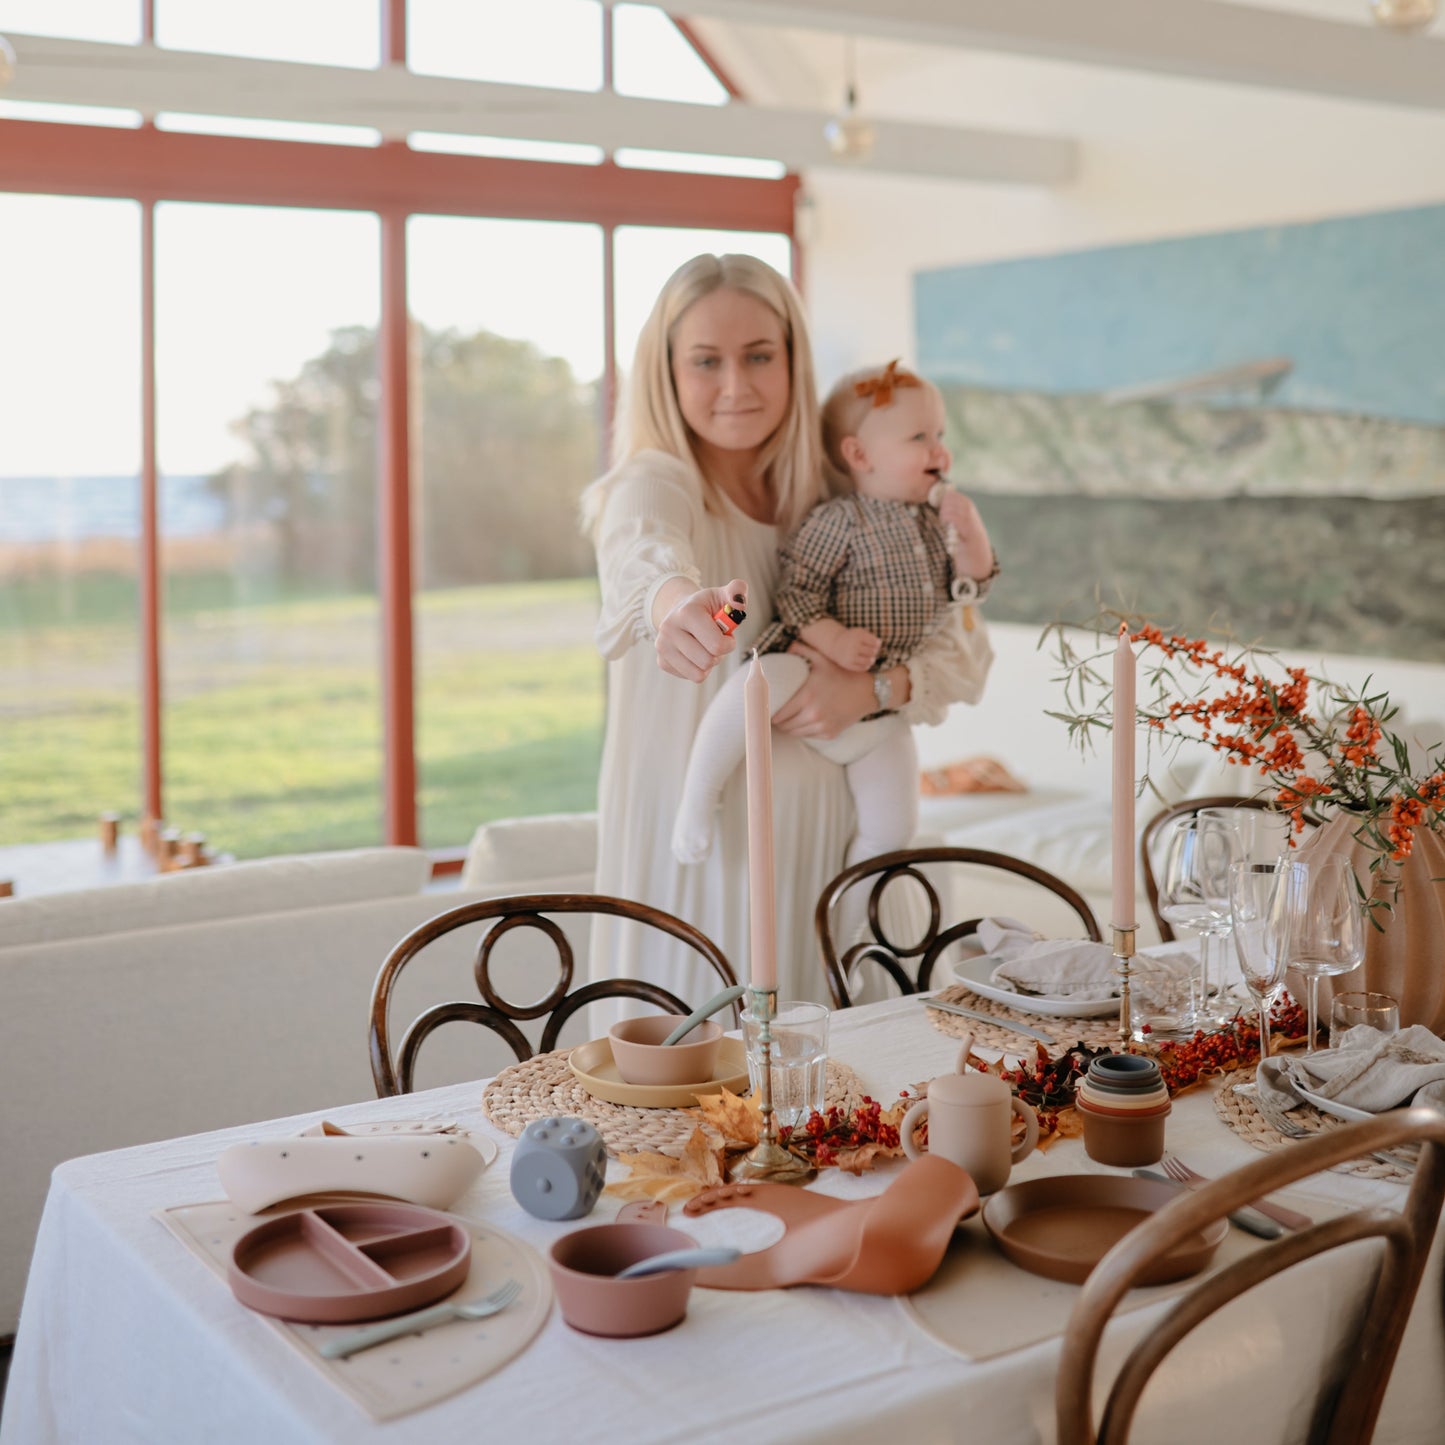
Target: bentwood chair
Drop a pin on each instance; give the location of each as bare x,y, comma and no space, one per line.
1350,1383
393,1072
1155,827
843,961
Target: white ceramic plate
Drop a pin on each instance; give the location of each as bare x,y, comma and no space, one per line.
1332,1106
974,973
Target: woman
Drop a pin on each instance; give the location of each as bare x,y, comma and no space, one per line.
718,458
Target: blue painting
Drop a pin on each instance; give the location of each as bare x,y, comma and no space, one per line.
1241,430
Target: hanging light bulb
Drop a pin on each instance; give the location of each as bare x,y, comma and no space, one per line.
850,137
1407,15
7,62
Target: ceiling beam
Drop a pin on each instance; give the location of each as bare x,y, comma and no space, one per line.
1200,39
395,101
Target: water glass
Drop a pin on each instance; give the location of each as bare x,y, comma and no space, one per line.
799,1056
1261,938
1324,922
1349,1010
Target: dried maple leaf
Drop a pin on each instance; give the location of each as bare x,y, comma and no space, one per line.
660,1176
859,1160
739,1120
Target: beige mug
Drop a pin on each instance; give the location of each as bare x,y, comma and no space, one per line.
969,1121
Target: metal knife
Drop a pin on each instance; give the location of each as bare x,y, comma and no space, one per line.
1247,1219
968,1013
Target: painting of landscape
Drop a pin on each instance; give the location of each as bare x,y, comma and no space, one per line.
1241,431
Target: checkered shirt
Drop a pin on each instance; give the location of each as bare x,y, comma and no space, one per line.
868,563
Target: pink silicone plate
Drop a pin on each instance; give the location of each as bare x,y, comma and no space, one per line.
349,1262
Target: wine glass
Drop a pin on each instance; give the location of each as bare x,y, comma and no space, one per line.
1261,940
1324,917
1194,892
1256,835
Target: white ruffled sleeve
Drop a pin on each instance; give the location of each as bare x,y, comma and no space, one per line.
951,666
650,510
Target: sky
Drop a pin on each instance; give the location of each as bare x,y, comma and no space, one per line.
246,295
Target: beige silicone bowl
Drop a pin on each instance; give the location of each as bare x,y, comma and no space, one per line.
641,1059
585,1262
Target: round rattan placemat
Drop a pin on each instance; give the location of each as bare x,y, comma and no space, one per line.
1065,1032
1241,1114
544,1086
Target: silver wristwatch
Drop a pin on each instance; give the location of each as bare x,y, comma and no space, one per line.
883,691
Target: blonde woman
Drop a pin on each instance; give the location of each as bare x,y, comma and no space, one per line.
718,458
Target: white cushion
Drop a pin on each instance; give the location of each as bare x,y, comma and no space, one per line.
199,895
558,851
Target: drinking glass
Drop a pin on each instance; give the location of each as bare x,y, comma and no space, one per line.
1350,1010
1194,893
1261,941
1324,917
798,1055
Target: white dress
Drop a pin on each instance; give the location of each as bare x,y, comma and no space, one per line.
652,527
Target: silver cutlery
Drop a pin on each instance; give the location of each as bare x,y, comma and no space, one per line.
1249,1220
1290,1218
494,1303
968,1013
1281,1123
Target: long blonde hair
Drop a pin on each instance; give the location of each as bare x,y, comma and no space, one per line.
649,417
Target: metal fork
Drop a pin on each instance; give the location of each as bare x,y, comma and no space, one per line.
494,1303
1178,1170
1281,1123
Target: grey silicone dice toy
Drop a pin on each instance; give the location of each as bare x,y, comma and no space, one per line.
559,1168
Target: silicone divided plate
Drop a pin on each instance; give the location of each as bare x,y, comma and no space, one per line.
974,974
349,1262
597,1072
1062,1226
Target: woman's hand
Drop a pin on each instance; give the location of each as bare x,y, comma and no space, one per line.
832,698
689,640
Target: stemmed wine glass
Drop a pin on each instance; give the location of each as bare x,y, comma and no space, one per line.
1194,892
1324,917
1256,835
1261,937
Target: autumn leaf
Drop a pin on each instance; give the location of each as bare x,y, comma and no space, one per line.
860,1160
738,1120
660,1176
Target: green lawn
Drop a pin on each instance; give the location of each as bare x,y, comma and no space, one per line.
272,723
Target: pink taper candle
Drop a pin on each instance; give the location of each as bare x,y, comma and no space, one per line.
1123,860
762,913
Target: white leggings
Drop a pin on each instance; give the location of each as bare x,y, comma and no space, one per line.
878,756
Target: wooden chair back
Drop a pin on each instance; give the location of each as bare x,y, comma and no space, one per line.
1349,1395
1160,821
393,1072
892,957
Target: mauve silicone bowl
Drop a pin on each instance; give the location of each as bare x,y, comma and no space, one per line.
584,1265
641,1059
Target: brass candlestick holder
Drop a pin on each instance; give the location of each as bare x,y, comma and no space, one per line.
768,1160
1123,952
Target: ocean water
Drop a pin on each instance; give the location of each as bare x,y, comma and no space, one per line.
60,509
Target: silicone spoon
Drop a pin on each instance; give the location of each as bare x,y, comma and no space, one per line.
680,1259
705,1011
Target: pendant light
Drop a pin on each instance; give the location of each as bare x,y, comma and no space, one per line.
850,137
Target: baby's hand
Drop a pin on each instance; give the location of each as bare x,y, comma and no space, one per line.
958,512
855,649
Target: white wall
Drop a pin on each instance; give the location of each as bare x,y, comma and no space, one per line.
1161,157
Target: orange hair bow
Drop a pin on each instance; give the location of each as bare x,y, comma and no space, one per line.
880,388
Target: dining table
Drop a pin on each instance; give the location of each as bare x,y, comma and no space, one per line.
125,1335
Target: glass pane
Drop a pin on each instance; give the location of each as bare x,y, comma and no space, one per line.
707,165
325,32
647,255
69,114
508,354
557,43
266,375
341,135
512,150
69,516
116,21
652,58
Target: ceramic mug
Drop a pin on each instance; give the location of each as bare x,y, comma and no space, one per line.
970,1122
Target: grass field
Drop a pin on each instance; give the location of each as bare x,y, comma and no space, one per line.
271,718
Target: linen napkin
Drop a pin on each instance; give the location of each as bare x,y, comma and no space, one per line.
1072,968
1366,1070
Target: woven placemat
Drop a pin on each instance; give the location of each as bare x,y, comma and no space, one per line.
1065,1032
1241,1113
544,1085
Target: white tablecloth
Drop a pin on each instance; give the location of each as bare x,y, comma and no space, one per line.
126,1337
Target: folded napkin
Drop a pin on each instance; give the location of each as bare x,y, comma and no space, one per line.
1366,1070
1070,968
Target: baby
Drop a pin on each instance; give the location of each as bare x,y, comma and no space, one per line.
865,579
